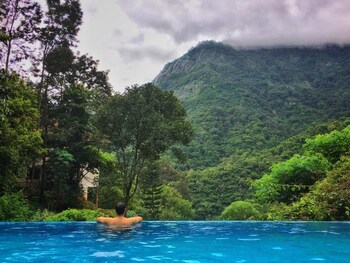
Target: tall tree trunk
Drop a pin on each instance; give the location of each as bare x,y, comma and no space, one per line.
10,36
44,123
8,56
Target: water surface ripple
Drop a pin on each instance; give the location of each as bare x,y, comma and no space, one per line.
182,241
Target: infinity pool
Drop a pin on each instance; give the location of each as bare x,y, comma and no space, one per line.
188,242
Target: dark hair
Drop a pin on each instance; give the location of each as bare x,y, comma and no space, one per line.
120,208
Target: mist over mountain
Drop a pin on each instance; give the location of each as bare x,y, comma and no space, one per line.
242,101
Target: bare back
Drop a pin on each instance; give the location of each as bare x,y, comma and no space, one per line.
120,221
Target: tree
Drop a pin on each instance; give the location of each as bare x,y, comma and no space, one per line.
84,71
289,179
57,36
108,181
59,192
174,206
152,189
20,141
19,24
213,189
72,150
141,124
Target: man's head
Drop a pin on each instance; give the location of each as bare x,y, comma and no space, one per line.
120,209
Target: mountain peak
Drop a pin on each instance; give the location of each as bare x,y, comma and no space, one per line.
205,51
209,44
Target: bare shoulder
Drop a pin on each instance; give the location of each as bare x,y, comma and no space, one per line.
135,219
119,221
103,219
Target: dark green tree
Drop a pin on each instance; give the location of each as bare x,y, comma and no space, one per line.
141,124
109,181
174,206
71,133
151,185
58,34
20,141
59,192
84,71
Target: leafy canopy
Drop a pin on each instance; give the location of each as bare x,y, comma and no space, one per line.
20,142
140,125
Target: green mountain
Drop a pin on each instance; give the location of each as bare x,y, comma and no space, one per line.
251,108
244,101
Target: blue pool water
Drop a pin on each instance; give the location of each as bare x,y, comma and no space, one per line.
189,242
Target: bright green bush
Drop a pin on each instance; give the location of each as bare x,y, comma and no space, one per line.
78,215
290,179
240,210
14,207
306,209
332,145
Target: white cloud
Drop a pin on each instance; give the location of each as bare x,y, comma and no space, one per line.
138,54
249,22
135,39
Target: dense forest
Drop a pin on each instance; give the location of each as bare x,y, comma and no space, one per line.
252,108
222,133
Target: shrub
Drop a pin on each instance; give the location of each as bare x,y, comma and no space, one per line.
40,215
306,209
76,215
14,207
240,210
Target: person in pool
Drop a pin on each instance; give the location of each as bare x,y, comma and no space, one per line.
120,220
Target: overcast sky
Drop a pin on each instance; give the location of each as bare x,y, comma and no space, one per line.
134,39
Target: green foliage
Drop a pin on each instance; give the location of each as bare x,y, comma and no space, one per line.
289,179
59,60
109,181
328,196
62,23
14,207
334,190
72,152
243,101
332,145
58,168
251,109
240,210
20,142
151,191
76,215
174,206
40,215
306,209
142,124
215,188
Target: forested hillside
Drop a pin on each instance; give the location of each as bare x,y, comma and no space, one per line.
252,108
249,100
